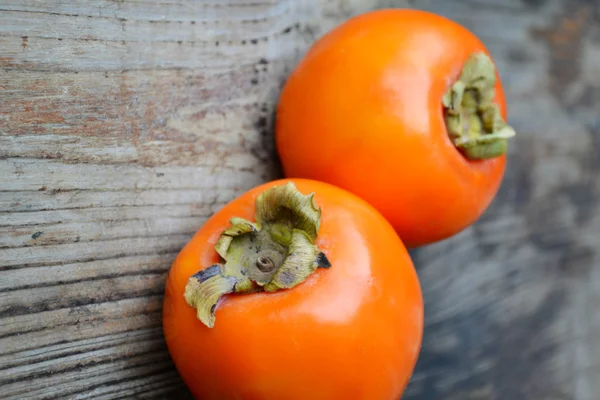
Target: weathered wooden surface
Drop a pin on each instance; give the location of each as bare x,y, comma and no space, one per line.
124,124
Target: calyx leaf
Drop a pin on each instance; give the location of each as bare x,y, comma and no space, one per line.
276,252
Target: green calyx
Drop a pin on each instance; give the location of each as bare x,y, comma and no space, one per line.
275,252
474,122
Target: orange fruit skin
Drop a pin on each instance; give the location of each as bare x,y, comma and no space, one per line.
363,111
352,331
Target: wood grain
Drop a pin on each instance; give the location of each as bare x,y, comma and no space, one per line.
510,302
125,124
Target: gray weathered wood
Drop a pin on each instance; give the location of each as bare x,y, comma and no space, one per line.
125,124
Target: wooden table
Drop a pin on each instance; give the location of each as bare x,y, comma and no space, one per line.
124,124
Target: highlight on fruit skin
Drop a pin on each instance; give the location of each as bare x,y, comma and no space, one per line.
405,109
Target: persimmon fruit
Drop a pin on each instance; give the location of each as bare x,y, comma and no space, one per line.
295,290
404,108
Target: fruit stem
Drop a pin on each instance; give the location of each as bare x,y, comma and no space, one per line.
474,122
275,252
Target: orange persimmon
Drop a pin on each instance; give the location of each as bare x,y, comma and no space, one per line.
295,290
405,109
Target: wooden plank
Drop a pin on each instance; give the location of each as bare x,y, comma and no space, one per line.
28,331
509,302
134,22
115,229
60,176
45,200
125,124
122,127
88,251
103,214
20,278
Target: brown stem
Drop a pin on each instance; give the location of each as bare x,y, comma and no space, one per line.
265,264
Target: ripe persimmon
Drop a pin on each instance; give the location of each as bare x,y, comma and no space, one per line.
404,108
282,295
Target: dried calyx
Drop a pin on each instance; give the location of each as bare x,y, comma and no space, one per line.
276,252
473,120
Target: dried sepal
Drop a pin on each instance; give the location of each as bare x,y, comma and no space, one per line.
474,122
276,252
